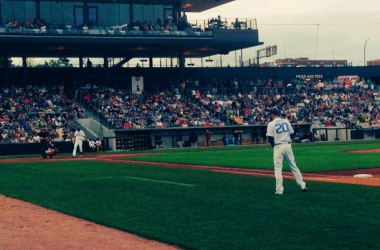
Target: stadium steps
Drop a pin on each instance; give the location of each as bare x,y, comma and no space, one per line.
93,128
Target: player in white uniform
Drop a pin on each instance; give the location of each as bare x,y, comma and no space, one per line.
98,145
79,138
91,144
280,134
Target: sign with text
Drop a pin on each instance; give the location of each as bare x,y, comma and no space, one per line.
309,76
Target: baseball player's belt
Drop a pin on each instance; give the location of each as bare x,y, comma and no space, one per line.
282,143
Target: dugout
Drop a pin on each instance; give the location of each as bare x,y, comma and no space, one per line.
144,139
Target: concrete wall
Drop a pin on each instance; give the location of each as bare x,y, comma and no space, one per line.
122,76
94,128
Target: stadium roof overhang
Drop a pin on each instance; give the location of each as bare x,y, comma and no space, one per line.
202,5
14,45
188,5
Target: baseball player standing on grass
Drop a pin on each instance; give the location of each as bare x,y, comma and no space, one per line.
79,138
280,134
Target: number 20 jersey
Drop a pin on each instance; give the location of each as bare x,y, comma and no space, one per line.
280,129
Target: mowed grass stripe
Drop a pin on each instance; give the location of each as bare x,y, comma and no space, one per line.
139,179
309,158
222,212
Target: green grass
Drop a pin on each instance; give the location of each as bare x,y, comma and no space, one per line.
220,211
312,157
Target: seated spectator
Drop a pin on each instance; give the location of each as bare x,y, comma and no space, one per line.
169,20
159,22
73,28
85,28
43,28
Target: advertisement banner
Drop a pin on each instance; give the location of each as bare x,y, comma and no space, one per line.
137,84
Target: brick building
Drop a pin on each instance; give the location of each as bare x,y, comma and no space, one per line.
373,62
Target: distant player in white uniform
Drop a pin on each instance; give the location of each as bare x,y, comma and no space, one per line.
79,138
98,145
280,134
91,144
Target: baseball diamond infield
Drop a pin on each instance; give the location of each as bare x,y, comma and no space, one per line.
39,228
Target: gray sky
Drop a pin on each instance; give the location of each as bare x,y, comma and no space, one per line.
344,26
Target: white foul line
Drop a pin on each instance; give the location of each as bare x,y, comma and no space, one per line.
140,179
270,174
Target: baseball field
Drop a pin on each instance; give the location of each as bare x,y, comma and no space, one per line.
214,198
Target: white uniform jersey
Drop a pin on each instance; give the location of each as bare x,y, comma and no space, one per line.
280,129
98,143
79,135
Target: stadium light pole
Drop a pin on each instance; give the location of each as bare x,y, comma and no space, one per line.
333,57
365,45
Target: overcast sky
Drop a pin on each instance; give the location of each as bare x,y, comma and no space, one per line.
344,27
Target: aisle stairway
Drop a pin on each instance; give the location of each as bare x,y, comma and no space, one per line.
92,127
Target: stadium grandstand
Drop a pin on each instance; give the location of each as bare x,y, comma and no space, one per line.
129,106
117,29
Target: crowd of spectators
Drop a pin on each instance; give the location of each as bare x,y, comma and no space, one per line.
342,103
16,24
24,112
345,102
168,25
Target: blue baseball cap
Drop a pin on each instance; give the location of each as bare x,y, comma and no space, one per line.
273,111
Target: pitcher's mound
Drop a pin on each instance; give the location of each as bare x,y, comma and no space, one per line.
363,176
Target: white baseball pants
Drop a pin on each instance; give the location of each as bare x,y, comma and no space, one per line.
281,151
76,144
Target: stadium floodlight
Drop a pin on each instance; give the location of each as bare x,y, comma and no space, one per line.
191,64
142,61
365,45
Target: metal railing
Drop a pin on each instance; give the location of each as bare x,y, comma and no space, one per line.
250,63
107,31
129,142
224,23
331,134
344,134
192,28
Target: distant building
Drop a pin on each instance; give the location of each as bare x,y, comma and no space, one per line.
373,62
305,62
